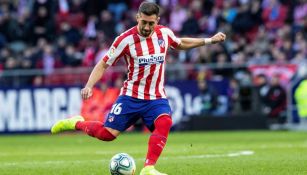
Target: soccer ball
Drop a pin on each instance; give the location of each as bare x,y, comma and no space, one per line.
122,164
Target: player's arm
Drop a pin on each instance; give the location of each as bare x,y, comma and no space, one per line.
115,52
188,43
96,75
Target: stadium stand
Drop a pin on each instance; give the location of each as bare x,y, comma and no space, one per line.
56,42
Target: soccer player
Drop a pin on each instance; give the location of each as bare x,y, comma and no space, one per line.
144,48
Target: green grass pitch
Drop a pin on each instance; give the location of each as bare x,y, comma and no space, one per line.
187,153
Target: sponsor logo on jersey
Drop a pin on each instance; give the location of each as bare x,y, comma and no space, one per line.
151,59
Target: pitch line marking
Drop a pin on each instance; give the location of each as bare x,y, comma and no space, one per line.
52,162
233,154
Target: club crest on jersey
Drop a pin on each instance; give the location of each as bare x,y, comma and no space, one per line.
151,59
111,118
161,43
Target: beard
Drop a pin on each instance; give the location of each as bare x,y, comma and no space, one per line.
145,33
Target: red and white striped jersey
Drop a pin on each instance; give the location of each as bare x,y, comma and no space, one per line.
145,59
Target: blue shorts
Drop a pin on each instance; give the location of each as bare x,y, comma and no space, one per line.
127,110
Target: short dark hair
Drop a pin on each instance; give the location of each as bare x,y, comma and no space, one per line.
149,8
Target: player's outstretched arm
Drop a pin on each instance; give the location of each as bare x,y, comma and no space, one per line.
188,43
96,75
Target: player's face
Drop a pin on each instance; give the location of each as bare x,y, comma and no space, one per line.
146,24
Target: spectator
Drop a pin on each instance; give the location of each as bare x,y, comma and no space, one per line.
190,25
71,34
177,18
4,54
89,52
274,14
76,7
90,29
28,54
71,56
43,25
28,79
222,69
233,96
230,11
19,28
203,55
262,87
300,13
107,25
5,19
103,49
48,59
275,101
256,11
243,22
300,43
94,7
63,6
213,21
117,7
208,98
258,58
48,5
300,60
10,64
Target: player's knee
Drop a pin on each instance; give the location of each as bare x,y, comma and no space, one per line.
168,122
164,121
105,135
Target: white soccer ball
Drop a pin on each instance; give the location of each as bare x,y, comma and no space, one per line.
122,164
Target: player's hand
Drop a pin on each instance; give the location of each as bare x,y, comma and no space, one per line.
86,93
219,37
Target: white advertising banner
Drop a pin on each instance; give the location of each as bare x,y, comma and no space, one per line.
36,109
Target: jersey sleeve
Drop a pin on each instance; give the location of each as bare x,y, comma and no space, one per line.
116,50
172,39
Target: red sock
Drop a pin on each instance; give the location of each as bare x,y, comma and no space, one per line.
158,139
95,129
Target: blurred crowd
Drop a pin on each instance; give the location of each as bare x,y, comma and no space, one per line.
73,35
49,34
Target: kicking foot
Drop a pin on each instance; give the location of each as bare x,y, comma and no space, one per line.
150,170
66,124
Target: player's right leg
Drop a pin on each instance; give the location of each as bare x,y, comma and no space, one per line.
92,128
66,124
121,116
98,130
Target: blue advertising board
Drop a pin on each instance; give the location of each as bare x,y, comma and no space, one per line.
36,109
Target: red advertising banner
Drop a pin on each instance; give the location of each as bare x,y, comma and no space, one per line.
285,72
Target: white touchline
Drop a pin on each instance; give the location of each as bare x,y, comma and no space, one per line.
232,154
49,162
